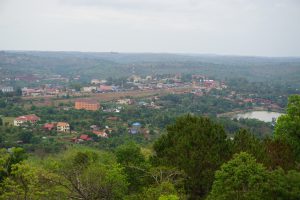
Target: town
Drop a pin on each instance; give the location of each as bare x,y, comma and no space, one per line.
113,100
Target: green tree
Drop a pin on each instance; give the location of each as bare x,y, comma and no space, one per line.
30,182
154,192
131,158
26,136
279,154
284,185
18,91
90,175
168,197
240,178
247,142
196,145
8,158
288,126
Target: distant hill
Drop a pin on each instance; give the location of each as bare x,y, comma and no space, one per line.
110,64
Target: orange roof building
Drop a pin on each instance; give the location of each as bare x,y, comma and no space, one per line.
101,134
86,104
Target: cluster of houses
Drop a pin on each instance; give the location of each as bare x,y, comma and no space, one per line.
40,91
127,101
175,81
139,83
96,131
152,83
62,127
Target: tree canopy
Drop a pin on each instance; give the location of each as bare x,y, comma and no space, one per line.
196,145
288,126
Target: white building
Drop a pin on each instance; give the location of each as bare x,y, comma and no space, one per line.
95,81
7,89
89,89
63,127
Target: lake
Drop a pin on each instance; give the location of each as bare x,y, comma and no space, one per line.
265,116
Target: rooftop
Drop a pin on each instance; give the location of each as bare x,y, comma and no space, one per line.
62,124
31,117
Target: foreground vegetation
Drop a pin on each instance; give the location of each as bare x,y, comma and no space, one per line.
195,159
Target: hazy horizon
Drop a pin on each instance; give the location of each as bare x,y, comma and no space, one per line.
154,53
205,27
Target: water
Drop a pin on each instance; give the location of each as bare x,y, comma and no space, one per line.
265,116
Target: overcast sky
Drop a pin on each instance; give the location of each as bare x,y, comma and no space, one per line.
239,27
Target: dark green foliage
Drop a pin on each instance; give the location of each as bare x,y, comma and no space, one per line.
8,158
279,153
241,178
244,141
196,145
26,136
288,126
284,185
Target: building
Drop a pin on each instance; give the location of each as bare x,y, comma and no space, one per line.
82,138
125,101
95,81
101,134
85,137
7,89
89,89
63,127
106,88
135,128
94,127
134,78
49,126
112,118
86,104
31,92
26,118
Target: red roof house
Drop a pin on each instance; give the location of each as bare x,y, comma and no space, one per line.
26,118
49,126
85,137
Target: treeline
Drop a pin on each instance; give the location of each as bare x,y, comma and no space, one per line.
194,160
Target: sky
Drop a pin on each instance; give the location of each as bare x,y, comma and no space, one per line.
227,27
